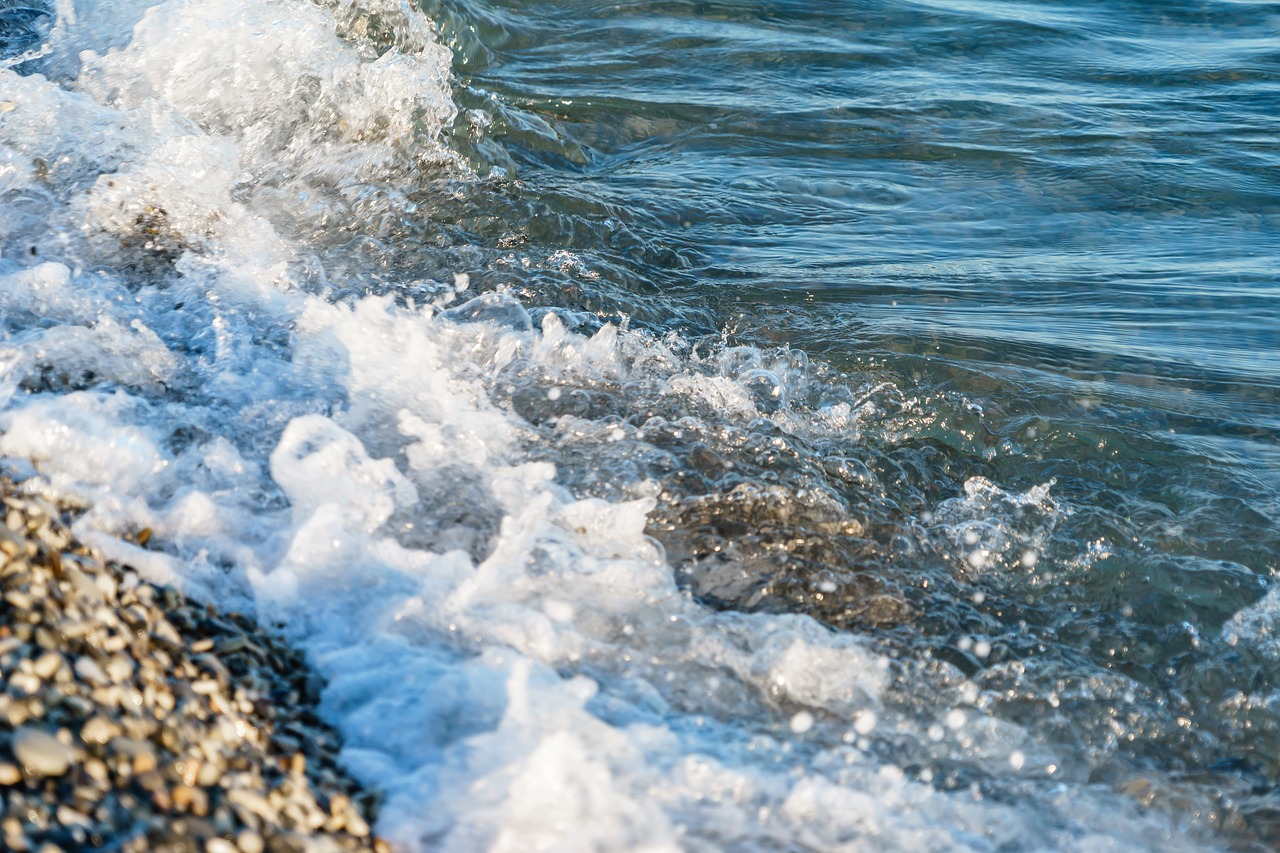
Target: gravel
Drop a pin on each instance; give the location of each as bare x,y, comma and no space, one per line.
133,719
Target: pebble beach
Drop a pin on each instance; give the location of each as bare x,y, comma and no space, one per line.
132,718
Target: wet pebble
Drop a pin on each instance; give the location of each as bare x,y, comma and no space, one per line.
41,753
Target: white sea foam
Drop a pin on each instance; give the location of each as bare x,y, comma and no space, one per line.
513,664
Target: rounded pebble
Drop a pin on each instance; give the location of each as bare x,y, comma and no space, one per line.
41,753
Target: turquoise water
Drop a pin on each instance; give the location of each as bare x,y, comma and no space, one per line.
954,326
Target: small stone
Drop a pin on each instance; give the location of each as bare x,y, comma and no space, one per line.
119,668
99,730
356,824
9,774
188,798
250,842
15,713
68,816
89,669
97,771
41,753
14,838
219,845
73,629
254,804
25,683
47,665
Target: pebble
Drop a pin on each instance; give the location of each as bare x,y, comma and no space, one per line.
250,842
41,753
99,730
47,665
88,669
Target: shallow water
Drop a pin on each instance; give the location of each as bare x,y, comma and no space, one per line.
860,409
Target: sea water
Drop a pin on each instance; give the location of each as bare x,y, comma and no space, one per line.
736,425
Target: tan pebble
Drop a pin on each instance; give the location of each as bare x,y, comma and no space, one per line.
144,763
97,771
219,845
188,769
68,816
73,628
91,671
202,645
14,838
381,846
250,842
106,585
25,683
47,665
253,803
209,774
99,730
9,773
108,697
182,796
356,824
50,847
205,686
119,668
41,753
15,713
46,639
